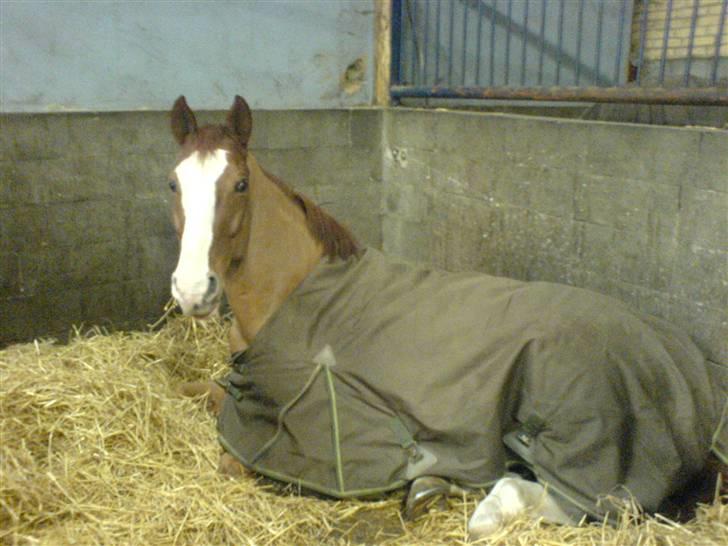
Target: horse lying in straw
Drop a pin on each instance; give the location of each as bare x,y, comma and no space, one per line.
354,374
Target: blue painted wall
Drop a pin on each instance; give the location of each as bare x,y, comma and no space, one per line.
73,55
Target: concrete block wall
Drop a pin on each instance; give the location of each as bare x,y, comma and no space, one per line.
85,232
634,211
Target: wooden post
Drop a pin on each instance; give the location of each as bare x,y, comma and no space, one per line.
383,54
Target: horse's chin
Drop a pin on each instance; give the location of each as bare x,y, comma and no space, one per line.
203,312
213,312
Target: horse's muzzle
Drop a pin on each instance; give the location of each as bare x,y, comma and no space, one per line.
200,299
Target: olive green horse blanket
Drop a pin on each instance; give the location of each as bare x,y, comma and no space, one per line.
375,372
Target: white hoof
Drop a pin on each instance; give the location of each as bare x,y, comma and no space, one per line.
486,520
511,498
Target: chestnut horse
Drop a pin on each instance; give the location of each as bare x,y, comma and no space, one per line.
246,234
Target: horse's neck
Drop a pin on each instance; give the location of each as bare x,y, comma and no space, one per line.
280,253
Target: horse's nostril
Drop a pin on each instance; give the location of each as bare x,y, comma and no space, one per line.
211,284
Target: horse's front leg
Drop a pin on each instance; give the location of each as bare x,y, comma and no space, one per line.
213,394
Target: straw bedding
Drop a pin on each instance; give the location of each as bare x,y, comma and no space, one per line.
97,447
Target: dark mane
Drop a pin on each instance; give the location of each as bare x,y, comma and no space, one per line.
336,239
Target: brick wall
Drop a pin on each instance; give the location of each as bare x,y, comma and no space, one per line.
634,211
707,25
85,234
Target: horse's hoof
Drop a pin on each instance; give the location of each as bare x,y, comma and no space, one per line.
229,466
487,520
422,492
214,394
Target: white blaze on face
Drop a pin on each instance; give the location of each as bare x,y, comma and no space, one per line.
197,177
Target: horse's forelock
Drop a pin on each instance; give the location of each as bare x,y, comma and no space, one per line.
210,138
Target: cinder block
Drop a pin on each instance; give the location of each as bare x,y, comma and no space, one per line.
701,276
703,218
365,165
709,170
305,129
135,175
551,191
56,268
707,326
345,202
16,187
67,179
23,227
151,216
472,135
83,222
407,200
407,166
365,125
305,168
146,133
406,238
157,256
618,150
541,142
625,203
19,323
40,181
411,129
10,285
480,236
554,253
671,154
87,135
33,136
55,311
106,304
458,175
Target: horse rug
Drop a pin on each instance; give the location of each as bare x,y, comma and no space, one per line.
374,372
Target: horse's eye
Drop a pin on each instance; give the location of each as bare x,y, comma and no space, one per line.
173,185
241,185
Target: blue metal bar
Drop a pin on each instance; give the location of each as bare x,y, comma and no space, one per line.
643,36
560,41
477,50
620,38
718,38
491,67
598,46
509,15
707,96
525,43
395,73
542,30
465,40
691,41
579,37
449,46
426,40
437,44
412,8
665,40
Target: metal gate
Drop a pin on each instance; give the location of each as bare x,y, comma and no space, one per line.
649,51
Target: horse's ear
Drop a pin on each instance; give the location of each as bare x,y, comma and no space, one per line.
183,120
240,120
